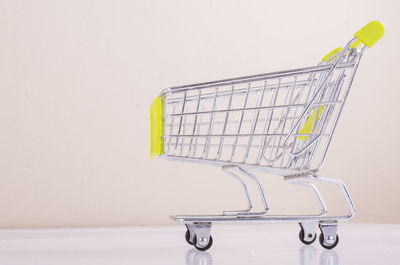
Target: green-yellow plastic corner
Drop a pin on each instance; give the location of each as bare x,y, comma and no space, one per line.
308,126
330,56
371,33
157,127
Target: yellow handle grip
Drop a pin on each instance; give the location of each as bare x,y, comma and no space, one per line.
157,127
330,56
370,33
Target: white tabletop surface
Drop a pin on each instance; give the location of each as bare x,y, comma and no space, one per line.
233,244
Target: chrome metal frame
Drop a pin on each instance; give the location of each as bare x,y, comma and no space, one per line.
263,217
260,120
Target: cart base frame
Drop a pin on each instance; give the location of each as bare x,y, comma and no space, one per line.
199,226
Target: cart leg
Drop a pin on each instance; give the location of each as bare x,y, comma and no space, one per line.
322,204
311,176
345,193
227,170
199,235
262,193
328,238
260,188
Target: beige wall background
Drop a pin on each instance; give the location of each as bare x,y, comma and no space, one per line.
77,79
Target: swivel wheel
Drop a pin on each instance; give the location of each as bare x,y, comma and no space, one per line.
203,244
329,242
187,237
307,233
307,239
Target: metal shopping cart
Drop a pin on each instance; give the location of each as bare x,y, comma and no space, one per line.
281,123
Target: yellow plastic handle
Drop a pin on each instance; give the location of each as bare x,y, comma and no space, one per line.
334,53
157,127
371,33
330,56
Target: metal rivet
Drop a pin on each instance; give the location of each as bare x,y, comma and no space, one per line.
203,241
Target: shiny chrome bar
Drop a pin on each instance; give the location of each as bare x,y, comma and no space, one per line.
252,78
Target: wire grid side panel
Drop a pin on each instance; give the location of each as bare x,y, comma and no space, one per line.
324,114
246,122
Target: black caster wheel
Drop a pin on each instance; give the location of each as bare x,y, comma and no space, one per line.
202,248
187,237
321,241
310,237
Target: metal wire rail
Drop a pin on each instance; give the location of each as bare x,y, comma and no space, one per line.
281,123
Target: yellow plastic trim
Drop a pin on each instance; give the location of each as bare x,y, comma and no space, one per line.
331,54
308,126
370,33
157,127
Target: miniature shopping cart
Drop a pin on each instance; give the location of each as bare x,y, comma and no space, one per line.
281,123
